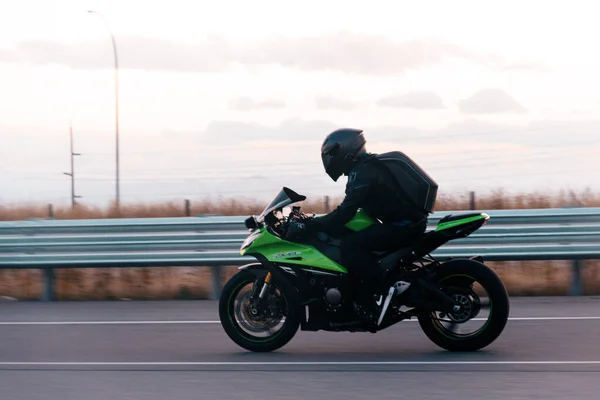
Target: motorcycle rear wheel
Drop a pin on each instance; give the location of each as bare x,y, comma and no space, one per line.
456,278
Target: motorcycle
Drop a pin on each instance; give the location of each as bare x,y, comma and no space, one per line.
301,284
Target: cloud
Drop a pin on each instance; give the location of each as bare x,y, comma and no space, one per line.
469,154
490,101
353,53
417,100
472,131
134,52
525,67
248,104
225,132
336,103
342,52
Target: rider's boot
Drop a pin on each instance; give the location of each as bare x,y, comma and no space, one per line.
367,306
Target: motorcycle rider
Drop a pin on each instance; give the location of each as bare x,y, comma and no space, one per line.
371,188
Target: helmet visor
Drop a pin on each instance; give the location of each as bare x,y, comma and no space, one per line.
326,158
332,167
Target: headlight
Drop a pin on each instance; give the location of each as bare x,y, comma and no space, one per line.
249,240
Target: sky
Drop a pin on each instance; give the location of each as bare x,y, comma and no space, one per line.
234,98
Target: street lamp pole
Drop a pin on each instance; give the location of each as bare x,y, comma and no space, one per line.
118,200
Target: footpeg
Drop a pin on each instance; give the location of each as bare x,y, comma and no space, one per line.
401,286
386,304
398,288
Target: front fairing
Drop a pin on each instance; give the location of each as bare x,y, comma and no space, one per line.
279,250
265,242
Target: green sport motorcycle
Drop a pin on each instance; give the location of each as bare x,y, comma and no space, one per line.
301,284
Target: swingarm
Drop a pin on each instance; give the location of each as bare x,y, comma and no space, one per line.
428,296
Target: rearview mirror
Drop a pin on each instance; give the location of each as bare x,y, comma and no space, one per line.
251,223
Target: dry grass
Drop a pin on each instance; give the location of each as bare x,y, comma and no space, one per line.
495,200
530,278
142,210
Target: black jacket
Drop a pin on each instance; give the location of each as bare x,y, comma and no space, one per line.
373,190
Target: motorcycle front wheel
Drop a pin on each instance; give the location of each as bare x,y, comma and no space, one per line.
258,329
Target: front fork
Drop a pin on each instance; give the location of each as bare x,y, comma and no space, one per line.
260,300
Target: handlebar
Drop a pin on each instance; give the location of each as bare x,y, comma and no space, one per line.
280,225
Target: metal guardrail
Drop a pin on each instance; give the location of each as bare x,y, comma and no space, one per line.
510,235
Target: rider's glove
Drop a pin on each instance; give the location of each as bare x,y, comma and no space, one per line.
296,230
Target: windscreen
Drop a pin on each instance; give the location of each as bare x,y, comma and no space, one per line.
284,198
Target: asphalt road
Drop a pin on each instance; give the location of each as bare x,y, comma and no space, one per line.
178,350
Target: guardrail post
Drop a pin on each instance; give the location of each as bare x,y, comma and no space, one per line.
216,282
48,284
576,289
188,208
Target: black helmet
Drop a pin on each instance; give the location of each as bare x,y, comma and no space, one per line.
340,150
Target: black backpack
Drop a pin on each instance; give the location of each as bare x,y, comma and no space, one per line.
413,183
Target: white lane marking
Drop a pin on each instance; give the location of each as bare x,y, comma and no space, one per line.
546,318
297,363
166,322
102,322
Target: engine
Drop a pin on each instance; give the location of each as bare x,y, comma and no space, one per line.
333,297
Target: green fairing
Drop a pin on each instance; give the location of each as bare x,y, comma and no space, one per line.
360,221
276,249
452,224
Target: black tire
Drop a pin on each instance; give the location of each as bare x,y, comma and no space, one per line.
499,307
234,330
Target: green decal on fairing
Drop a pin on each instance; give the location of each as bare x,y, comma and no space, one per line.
452,224
277,249
360,221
